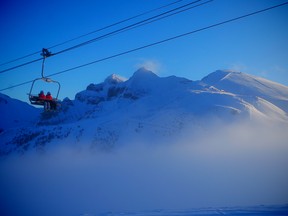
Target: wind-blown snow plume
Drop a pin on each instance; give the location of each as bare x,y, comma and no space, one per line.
151,65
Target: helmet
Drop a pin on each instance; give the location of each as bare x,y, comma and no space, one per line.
41,92
48,93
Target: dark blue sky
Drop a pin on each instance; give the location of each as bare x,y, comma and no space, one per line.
256,45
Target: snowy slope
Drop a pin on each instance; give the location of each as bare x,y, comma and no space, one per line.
15,113
280,210
248,85
144,108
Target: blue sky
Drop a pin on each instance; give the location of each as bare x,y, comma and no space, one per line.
256,45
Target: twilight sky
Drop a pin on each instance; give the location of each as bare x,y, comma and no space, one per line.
256,45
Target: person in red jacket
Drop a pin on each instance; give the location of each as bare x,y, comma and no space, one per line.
41,96
51,103
49,96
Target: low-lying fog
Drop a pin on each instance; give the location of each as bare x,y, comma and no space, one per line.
221,166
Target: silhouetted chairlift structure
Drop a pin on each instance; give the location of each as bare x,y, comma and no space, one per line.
34,98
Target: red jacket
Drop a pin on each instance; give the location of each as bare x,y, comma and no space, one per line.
42,96
49,97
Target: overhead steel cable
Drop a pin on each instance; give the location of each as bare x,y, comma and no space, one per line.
14,60
168,15
126,27
21,65
137,24
159,42
145,22
114,24
97,30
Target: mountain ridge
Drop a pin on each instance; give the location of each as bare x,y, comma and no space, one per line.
245,84
106,114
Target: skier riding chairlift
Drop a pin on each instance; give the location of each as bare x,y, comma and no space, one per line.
48,102
51,103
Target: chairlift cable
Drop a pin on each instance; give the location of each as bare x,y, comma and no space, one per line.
168,15
171,38
92,32
114,24
137,24
126,27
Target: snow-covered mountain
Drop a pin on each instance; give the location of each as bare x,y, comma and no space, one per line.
145,107
15,113
246,85
149,145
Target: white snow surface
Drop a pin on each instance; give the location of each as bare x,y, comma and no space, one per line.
15,113
248,85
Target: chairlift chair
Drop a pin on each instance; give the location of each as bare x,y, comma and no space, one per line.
33,97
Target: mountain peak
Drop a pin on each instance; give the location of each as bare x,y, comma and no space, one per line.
217,76
114,79
143,72
143,79
246,85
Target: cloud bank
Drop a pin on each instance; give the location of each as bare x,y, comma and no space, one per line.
220,166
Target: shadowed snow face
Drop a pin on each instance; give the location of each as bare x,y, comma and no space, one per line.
220,166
